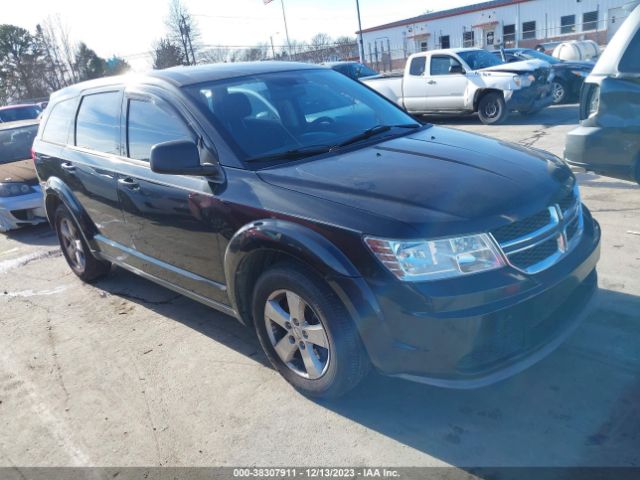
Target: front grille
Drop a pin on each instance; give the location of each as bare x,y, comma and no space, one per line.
537,242
534,255
523,227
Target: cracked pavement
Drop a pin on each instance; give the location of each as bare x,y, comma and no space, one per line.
126,373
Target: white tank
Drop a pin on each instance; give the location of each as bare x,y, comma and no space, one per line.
577,50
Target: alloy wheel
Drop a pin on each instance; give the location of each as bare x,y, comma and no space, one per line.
491,110
297,334
557,92
72,244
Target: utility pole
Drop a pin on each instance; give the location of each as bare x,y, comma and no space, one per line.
187,34
286,29
273,50
360,41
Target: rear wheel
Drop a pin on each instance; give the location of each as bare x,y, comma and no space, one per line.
492,109
306,332
75,249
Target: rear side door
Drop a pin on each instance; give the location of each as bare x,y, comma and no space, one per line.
445,89
414,85
169,236
82,138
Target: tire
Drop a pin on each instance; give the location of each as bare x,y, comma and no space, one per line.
559,92
75,249
325,371
492,109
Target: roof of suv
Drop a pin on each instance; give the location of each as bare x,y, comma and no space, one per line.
182,76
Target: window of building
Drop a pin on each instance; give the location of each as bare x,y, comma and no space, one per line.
509,35
590,21
528,30
418,65
568,24
423,46
98,123
440,64
148,125
467,39
60,119
444,41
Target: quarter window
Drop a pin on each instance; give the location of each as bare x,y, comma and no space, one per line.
60,119
528,30
148,124
568,24
98,123
418,65
590,20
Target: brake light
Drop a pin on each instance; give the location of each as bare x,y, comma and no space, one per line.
589,100
33,154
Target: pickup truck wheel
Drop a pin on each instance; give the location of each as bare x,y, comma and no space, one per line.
492,109
558,92
75,249
307,333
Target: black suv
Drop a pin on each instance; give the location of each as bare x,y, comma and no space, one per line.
310,207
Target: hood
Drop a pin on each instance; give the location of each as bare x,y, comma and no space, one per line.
22,171
438,180
517,67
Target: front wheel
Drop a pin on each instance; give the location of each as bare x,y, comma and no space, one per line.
492,109
306,332
558,92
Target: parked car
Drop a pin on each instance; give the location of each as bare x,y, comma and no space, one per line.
608,138
567,76
353,70
547,47
468,80
21,200
342,230
15,113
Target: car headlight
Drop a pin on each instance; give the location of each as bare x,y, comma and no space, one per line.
580,73
14,189
420,260
517,80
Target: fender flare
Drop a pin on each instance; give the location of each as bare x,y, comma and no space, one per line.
286,237
56,188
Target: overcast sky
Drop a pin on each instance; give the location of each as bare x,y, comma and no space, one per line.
129,28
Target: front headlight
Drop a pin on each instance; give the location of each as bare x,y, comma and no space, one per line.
420,260
517,80
14,189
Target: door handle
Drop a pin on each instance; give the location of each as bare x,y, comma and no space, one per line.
129,183
432,82
69,167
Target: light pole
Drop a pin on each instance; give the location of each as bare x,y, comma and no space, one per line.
360,41
286,29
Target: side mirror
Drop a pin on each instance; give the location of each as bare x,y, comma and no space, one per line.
456,69
180,157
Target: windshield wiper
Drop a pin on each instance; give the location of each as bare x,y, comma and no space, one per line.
375,130
293,154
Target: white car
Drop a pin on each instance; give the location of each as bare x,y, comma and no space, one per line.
21,200
468,80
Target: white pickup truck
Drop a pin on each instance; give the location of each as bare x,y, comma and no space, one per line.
468,80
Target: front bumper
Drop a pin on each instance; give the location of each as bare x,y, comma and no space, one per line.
470,332
608,151
22,210
530,99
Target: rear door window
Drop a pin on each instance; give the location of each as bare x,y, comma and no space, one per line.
60,119
418,65
98,122
149,124
630,62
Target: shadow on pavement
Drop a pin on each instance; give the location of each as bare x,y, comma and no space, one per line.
551,116
577,407
594,180
40,234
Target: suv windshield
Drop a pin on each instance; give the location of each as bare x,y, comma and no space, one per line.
536,55
277,113
15,143
477,59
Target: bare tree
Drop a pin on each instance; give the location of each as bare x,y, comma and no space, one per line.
215,55
346,48
183,31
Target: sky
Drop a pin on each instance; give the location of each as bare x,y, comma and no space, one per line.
129,28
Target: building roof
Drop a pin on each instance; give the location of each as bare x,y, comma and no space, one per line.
446,13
